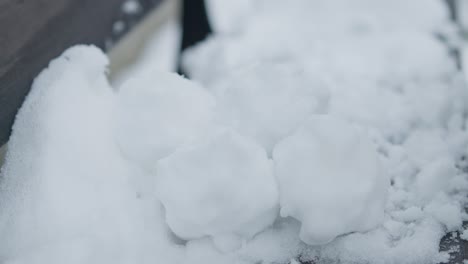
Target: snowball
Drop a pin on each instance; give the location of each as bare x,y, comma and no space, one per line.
446,212
426,146
409,215
222,187
268,109
155,113
330,179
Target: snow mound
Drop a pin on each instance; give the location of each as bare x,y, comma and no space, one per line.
64,194
158,112
367,89
330,179
212,189
268,109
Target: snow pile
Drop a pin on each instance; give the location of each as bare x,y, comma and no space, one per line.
354,128
212,189
324,169
268,109
387,73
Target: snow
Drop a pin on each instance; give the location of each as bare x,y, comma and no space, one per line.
157,113
65,193
343,141
211,189
464,57
332,182
434,178
268,109
462,13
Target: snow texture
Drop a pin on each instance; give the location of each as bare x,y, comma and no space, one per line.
353,127
330,179
268,109
212,189
65,189
157,113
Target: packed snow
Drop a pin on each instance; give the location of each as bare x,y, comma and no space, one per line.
332,182
310,132
268,109
163,111
65,193
210,189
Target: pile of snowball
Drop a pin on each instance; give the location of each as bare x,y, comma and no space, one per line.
341,142
224,163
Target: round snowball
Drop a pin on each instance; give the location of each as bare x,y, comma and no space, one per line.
157,113
222,187
268,102
330,179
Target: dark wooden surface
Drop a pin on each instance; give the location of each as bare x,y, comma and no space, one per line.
32,32
195,26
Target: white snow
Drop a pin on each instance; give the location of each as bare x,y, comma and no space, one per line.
65,189
360,106
212,189
157,112
464,57
462,13
330,179
464,235
268,109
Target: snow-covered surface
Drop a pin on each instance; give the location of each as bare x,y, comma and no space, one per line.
265,108
464,56
65,193
348,117
131,7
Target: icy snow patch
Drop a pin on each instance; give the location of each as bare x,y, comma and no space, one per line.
222,187
330,179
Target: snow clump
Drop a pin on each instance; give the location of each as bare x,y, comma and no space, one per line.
222,187
330,179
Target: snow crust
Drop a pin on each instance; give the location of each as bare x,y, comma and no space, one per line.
268,109
352,127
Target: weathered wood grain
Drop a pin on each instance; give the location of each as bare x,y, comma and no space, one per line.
32,32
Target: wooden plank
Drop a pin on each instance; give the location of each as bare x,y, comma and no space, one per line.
195,26
34,32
